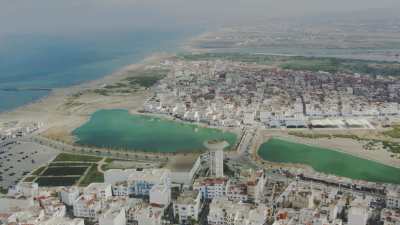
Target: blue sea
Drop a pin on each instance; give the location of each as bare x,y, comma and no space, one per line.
32,61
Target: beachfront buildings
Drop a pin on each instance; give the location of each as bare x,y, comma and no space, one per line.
160,195
113,216
246,198
187,206
211,187
91,202
136,182
88,206
225,212
238,94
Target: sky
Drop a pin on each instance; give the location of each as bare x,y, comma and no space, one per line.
55,16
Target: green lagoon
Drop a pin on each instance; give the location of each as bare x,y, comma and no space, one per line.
328,161
118,129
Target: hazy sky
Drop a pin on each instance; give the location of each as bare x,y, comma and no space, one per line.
26,16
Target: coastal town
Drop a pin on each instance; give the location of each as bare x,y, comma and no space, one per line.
230,94
204,194
200,112
46,181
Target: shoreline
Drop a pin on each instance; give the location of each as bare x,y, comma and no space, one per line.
65,90
58,93
353,153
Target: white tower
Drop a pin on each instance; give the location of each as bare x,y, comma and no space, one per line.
217,163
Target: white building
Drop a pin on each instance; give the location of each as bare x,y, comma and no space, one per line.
63,221
358,216
160,195
217,163
69,195
225,212
26,189
114,216
188,206
114,176
144,214
393,198
215,160
87,206
211,187
137,182
100,190
121,189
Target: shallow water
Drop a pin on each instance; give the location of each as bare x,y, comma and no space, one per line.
328,161
39,61
118,129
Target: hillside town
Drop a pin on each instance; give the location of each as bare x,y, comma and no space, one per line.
205,194
230,94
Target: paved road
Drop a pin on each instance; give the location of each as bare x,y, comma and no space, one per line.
123,155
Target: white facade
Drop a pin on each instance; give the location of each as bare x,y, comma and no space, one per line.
160,195
100,190
69,195
143,214
393,199
211,187
217,163
137,182
26,189
188,206
358,216
87,207
121,189
113,217
114,176
225,212
63,221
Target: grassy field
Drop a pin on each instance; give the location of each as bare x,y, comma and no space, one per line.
70,164
29,179
64,171
146,78
92,176
394,133
318,135
391,146
57,181
65,157
333,65
136,80
39,170
68,169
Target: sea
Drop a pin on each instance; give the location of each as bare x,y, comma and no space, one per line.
31,65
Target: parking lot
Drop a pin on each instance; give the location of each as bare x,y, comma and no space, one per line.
19,158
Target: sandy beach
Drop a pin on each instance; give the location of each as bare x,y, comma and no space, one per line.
65,109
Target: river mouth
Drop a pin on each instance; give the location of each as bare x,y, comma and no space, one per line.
328,161
118,130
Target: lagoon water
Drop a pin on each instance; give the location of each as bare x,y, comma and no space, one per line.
120,130
43,61
328,161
